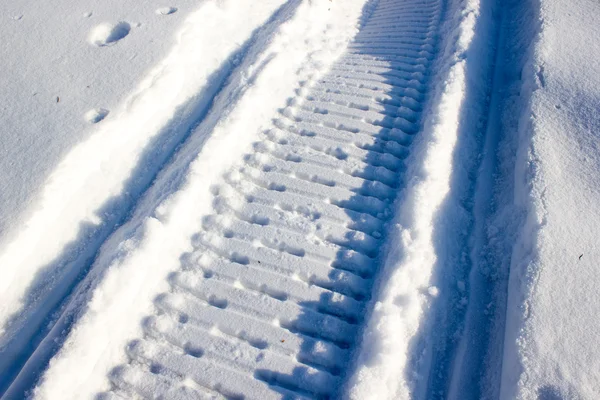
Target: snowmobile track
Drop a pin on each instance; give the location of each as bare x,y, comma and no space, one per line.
293,246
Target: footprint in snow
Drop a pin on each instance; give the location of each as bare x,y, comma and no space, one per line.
96,115
108,34
165,10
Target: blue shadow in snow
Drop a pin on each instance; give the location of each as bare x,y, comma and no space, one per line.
50,307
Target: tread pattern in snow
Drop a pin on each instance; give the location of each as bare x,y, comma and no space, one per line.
270,302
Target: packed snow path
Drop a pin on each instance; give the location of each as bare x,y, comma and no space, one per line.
271,302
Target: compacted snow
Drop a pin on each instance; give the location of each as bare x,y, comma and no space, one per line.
95,185
357,199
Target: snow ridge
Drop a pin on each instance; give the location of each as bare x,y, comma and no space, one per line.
410,342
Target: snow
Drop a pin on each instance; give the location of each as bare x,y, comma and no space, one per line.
107,34
552,310
158,233
91,190
395,358
300,198
46,55
166,10
96,115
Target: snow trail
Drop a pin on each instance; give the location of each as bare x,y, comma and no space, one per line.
103,178
410,341
336,215
106,176
269,302
479,351
132,264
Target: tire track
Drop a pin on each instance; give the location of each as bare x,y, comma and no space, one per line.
272,299
28,349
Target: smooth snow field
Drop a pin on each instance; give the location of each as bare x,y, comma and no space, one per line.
300,199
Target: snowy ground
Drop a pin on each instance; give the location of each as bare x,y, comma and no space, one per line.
57,67
553,299
300,199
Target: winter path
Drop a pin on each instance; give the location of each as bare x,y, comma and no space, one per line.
271,300
319,199
98,184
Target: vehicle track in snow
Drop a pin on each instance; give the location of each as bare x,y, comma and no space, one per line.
271,302
33,335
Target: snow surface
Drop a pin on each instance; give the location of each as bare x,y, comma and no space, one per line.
410,328
159,231
93,187
303,198
46,55
552,327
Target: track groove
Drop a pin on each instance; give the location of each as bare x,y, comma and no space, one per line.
269,303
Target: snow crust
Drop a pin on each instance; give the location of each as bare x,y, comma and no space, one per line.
394,361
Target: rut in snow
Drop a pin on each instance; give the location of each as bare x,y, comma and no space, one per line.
271,302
